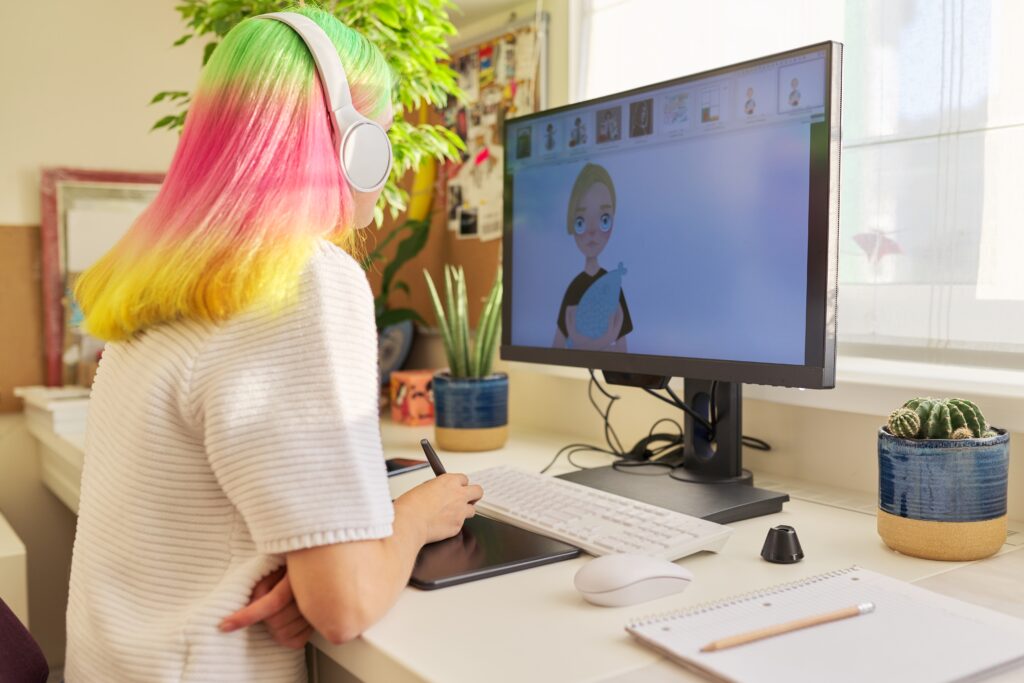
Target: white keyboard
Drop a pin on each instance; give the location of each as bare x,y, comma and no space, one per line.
596,521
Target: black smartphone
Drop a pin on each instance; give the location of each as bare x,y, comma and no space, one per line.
403,465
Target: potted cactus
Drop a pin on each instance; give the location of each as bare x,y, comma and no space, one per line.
942,473
470,402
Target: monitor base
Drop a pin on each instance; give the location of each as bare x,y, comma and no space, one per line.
718,502
680,472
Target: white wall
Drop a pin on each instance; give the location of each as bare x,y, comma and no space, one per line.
76,81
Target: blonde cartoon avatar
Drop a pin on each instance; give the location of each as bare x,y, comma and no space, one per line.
794,94
594,314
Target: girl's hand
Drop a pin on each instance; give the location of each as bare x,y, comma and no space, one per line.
439,506
272,602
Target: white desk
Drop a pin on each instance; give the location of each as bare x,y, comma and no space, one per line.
533,626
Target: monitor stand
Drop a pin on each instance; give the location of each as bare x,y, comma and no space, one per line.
708,479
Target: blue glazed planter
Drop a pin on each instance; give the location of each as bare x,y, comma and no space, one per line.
943,498
471,414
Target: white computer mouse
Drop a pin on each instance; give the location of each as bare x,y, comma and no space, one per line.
626,579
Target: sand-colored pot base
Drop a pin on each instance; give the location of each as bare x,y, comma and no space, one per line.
474,439
952,541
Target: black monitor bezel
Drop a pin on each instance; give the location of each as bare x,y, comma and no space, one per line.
823,225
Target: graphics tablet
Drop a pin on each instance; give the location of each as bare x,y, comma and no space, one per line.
485,547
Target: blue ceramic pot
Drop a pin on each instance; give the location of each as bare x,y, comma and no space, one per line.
943,498
471,414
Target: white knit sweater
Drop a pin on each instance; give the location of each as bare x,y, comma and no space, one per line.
211,450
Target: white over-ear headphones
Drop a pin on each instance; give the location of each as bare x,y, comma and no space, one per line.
364,150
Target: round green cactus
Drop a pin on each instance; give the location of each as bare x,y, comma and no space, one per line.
962,433
905,423
942,418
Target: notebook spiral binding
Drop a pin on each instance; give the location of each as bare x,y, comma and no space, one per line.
737,599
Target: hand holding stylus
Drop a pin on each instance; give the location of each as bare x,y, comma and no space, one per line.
438,466
441,505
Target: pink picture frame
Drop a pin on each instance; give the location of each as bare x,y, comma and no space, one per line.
52,246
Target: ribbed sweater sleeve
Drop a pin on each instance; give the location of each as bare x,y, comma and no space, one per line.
287,405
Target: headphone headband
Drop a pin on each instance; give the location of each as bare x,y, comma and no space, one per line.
364,150
325,55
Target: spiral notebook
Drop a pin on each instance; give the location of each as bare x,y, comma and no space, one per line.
913,634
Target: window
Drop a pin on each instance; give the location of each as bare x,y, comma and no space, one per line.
932,221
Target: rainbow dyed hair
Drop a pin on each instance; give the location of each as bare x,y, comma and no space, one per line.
254,183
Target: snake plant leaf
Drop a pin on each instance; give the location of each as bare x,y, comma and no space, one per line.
442,321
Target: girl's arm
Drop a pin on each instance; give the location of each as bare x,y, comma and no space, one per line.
342,589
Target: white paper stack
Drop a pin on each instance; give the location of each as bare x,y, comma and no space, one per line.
62,410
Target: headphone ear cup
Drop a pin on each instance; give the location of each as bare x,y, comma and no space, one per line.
365,155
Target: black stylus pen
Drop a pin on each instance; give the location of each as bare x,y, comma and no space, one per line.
435,462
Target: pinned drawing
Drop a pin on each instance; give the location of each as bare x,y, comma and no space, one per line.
502,76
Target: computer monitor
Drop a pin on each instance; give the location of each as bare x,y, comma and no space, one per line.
683,229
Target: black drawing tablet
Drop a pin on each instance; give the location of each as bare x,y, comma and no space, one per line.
485,547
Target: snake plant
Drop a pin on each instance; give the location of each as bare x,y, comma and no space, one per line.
465,359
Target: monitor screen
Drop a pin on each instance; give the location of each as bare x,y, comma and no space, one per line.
683,228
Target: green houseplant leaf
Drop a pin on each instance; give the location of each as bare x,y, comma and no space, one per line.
407,249
489,330
442,319
416,237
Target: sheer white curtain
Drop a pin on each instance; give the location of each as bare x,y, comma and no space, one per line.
932,222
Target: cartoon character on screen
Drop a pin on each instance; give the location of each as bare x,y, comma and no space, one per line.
593,314
549,137
750,106
794,94
578,136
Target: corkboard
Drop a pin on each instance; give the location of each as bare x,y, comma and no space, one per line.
21,321
479,259
490,99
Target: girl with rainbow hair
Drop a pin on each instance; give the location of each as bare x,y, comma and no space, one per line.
234,492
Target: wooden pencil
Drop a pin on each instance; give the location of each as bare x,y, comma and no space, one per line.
789,626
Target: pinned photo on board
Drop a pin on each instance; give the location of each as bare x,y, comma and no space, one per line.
454,206
468,226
